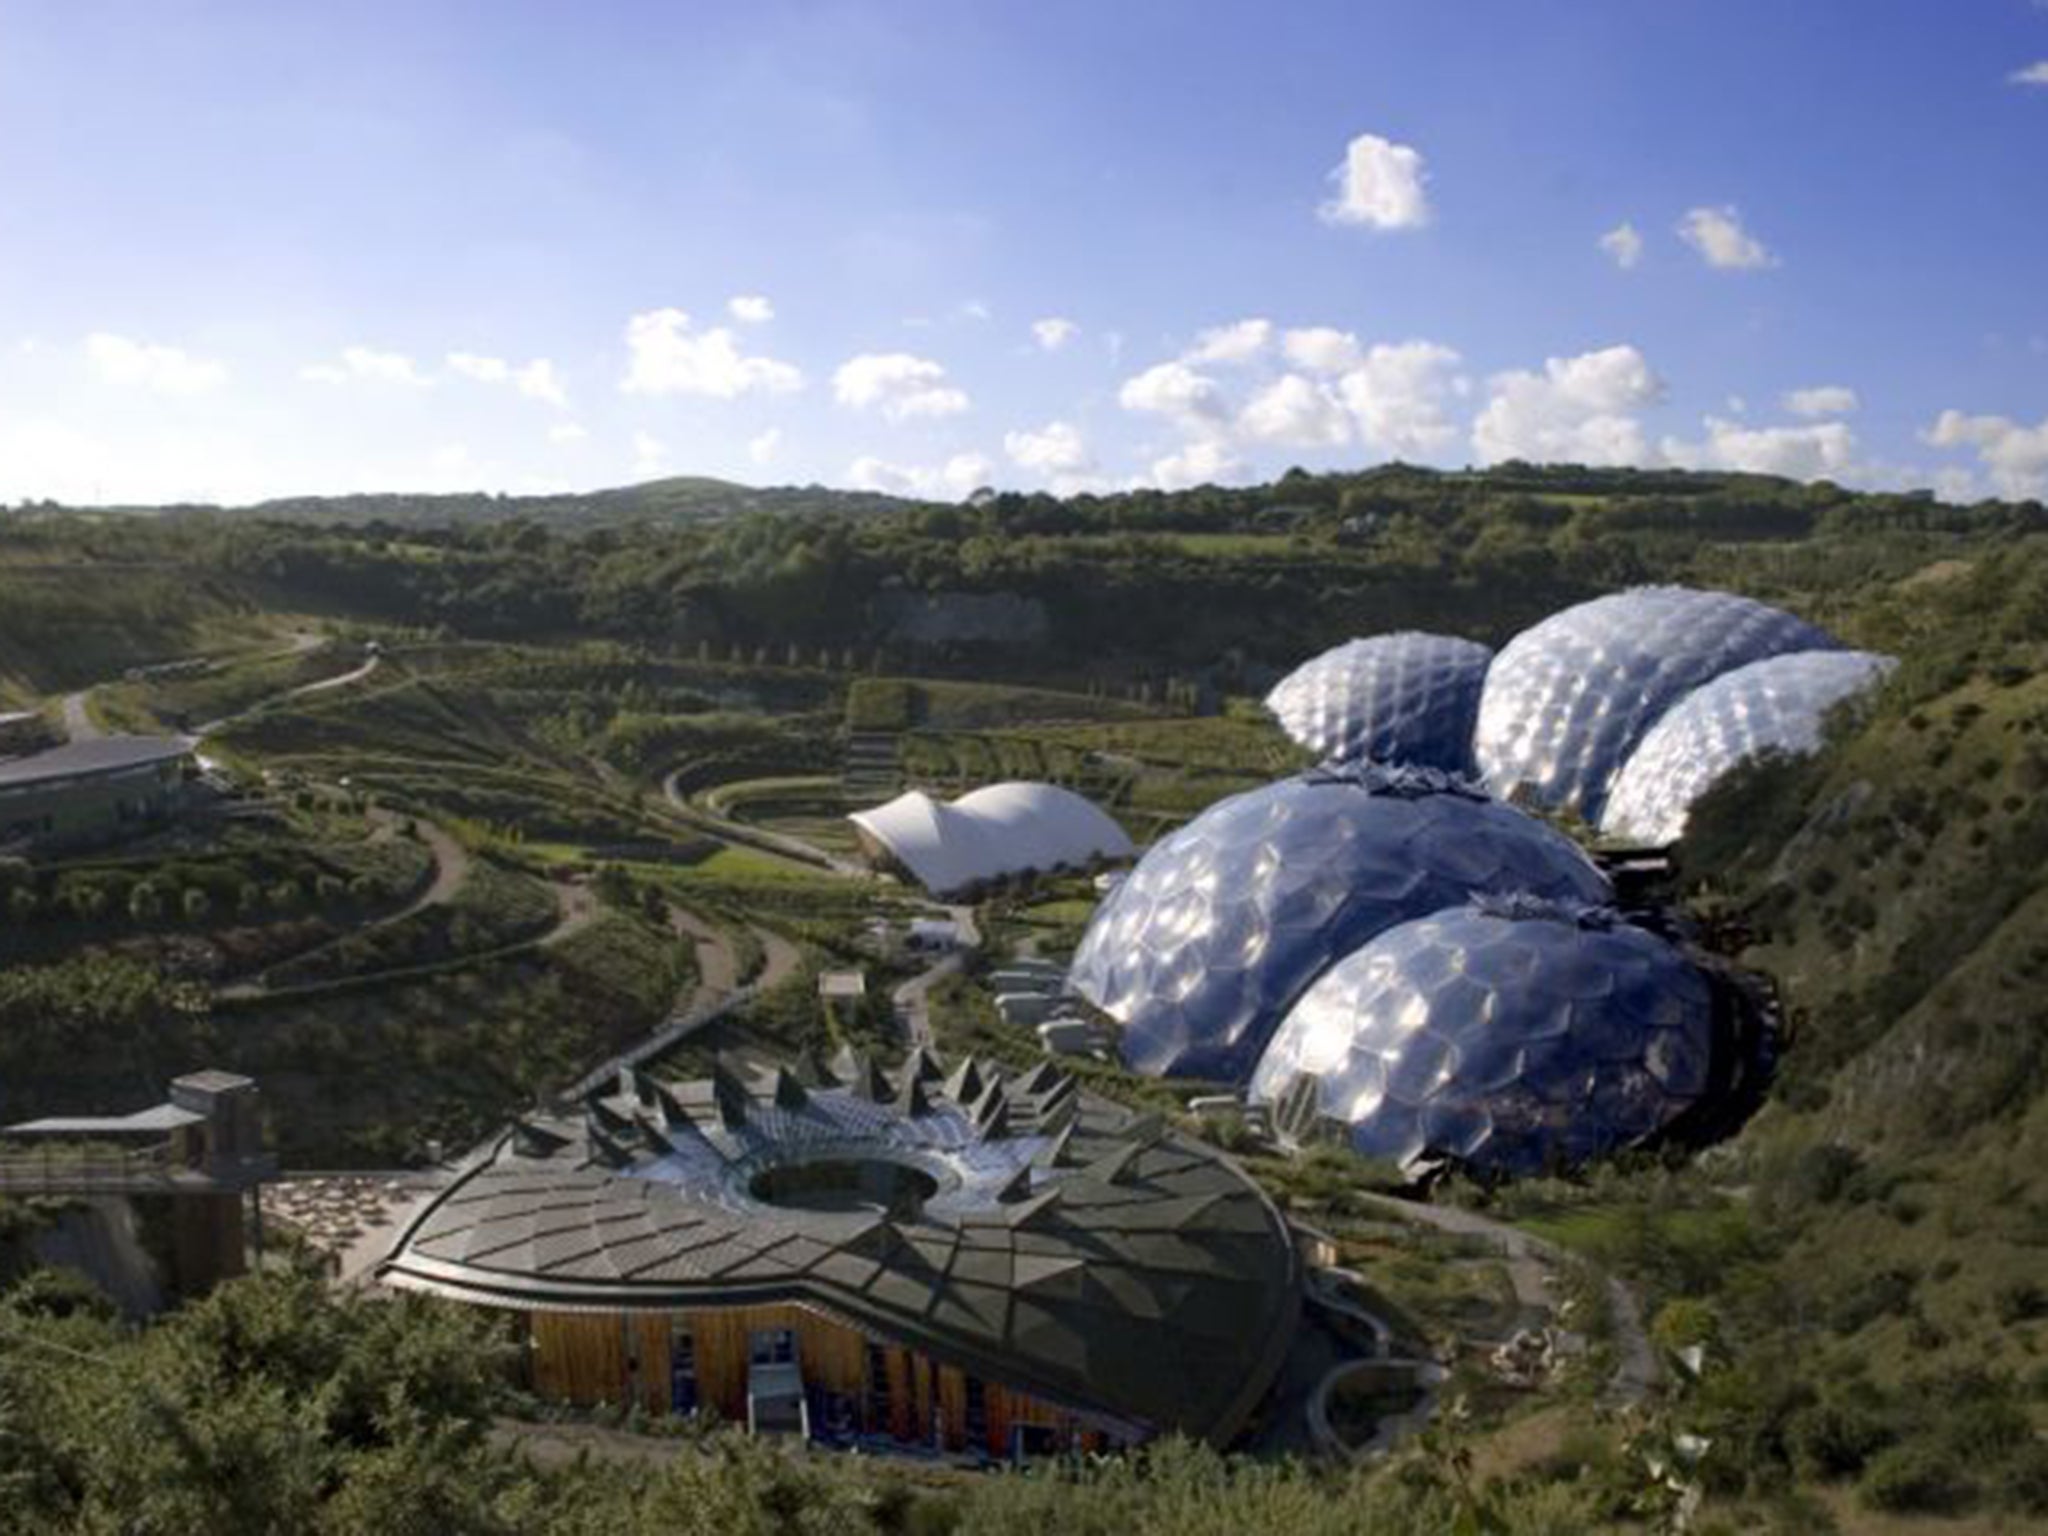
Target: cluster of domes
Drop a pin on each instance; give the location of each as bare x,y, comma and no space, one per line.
1567,701
1383,943
1559,718
1201,950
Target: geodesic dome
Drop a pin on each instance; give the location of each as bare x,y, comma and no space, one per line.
1569,699
1400,698
1203,947
1515,1037
1776,705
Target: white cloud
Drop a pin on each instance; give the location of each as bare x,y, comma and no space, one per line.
1295,412
762,447
1174,390
2014,457
750,309
962,473
536,380
1380,185
1207,462
1321,349
669,358
567,432
1399,392
650,456
366,364
1055,448
144,365
2033,74
1825,450
1236,343
1624,244
900,385
41,456
1053,332
1822,400
1577,410
1717,234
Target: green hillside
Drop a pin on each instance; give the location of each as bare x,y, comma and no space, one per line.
1864,1266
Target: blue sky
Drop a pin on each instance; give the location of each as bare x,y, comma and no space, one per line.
252,250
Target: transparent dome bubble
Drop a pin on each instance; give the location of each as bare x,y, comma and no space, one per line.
1399,698
1474,1033
1775,705
1568,700
1201,950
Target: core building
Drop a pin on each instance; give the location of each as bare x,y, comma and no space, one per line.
970,1260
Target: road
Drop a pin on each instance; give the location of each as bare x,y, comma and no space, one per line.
325,683
753,837
451,868
912,999
342,680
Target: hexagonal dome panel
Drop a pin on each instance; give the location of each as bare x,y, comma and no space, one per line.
1775,705
1201,950
1568,700
1400,698
1515,1036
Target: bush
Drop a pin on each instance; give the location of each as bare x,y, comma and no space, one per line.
1917,1478
2019,1301
1836,1440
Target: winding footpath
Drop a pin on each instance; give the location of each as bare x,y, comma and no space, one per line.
794,848
912,1000
1529,1259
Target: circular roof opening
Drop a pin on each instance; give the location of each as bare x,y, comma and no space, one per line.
878,1184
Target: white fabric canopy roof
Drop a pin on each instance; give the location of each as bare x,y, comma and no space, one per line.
1002,829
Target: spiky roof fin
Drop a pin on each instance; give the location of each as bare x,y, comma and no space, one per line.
789,1093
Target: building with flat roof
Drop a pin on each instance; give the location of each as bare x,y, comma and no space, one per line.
970,1260
201,1151
92,791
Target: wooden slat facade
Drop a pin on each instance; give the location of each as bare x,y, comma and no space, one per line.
621,1357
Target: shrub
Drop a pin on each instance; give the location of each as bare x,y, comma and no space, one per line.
1917,1478
1835,1440
2019,1301
145,904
